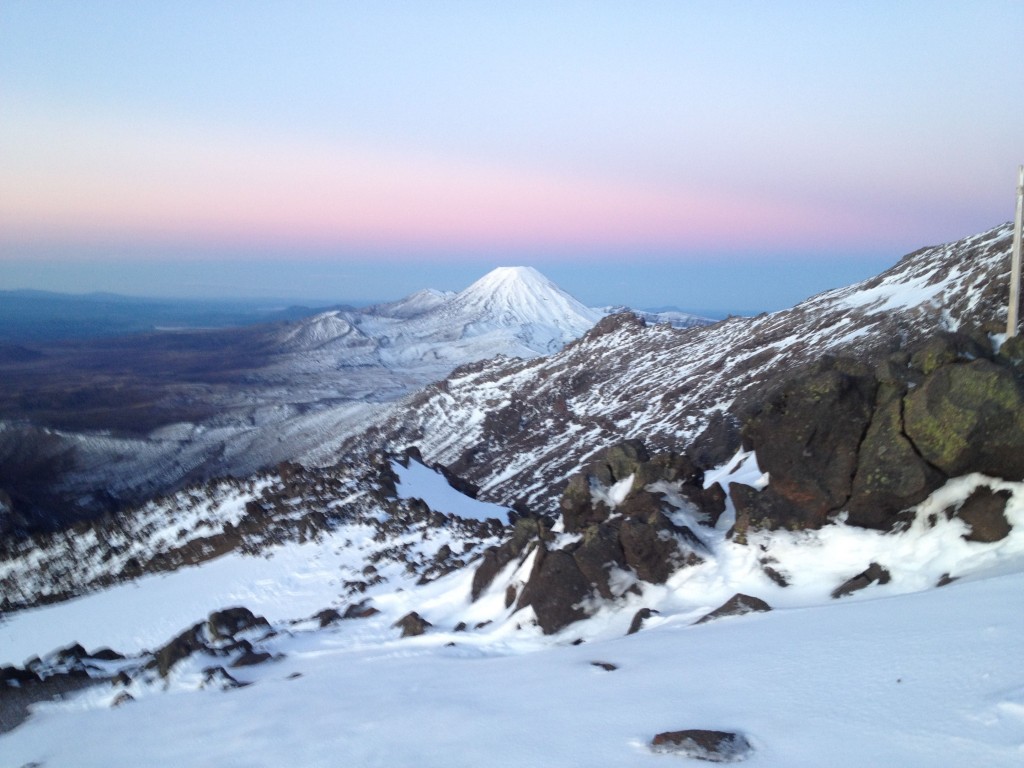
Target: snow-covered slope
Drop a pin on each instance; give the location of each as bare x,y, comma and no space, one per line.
816,681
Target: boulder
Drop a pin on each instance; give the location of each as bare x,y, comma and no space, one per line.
875,574
890,475
412,624
712,746
969,417
525,531
737,605
620,461
223,625
181,647
597,554
652,549
985,512
361,610
556,590
1011,353
326,617
249,658
807,437
638,620
945,348
578,507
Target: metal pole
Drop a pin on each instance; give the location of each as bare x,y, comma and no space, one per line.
1011,315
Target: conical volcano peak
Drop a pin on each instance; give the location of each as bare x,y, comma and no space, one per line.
504,279
509,296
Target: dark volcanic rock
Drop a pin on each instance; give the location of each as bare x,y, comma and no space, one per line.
181,647
638,620
525,533
652,549
712,746
597,554
251,658
875,574
969,417
326,617
412,624
620,461
556,590
891,476
226,624
737,605
807,438
985,512
361,610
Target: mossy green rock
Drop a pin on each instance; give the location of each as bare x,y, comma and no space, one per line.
890,475
969,417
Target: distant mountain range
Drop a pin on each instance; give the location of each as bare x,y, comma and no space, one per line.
142,413
28,316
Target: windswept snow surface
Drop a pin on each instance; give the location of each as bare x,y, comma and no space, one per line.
419,482
897,674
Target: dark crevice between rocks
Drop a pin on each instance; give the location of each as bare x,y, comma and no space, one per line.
911,443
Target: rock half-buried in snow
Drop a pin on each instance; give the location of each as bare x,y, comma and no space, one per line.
712,746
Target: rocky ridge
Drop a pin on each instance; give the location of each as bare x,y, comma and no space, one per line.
518,429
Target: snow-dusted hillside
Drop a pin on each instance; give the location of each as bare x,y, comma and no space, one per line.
518,429
296,390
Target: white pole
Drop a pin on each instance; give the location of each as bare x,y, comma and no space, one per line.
1011,315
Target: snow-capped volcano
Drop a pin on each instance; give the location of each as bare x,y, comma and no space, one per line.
509,297
511,311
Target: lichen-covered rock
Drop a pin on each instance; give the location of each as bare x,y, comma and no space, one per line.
945,348
890,475
620,462
1012,352
969,417
578,507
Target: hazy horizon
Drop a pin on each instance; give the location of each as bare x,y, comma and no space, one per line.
737,156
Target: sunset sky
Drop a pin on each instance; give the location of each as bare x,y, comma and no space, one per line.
728,155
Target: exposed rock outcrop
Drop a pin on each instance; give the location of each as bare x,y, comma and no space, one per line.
737,605
840,438
618,508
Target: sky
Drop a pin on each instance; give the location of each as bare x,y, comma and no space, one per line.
707,155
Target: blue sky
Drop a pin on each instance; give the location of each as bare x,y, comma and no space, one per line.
731,155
